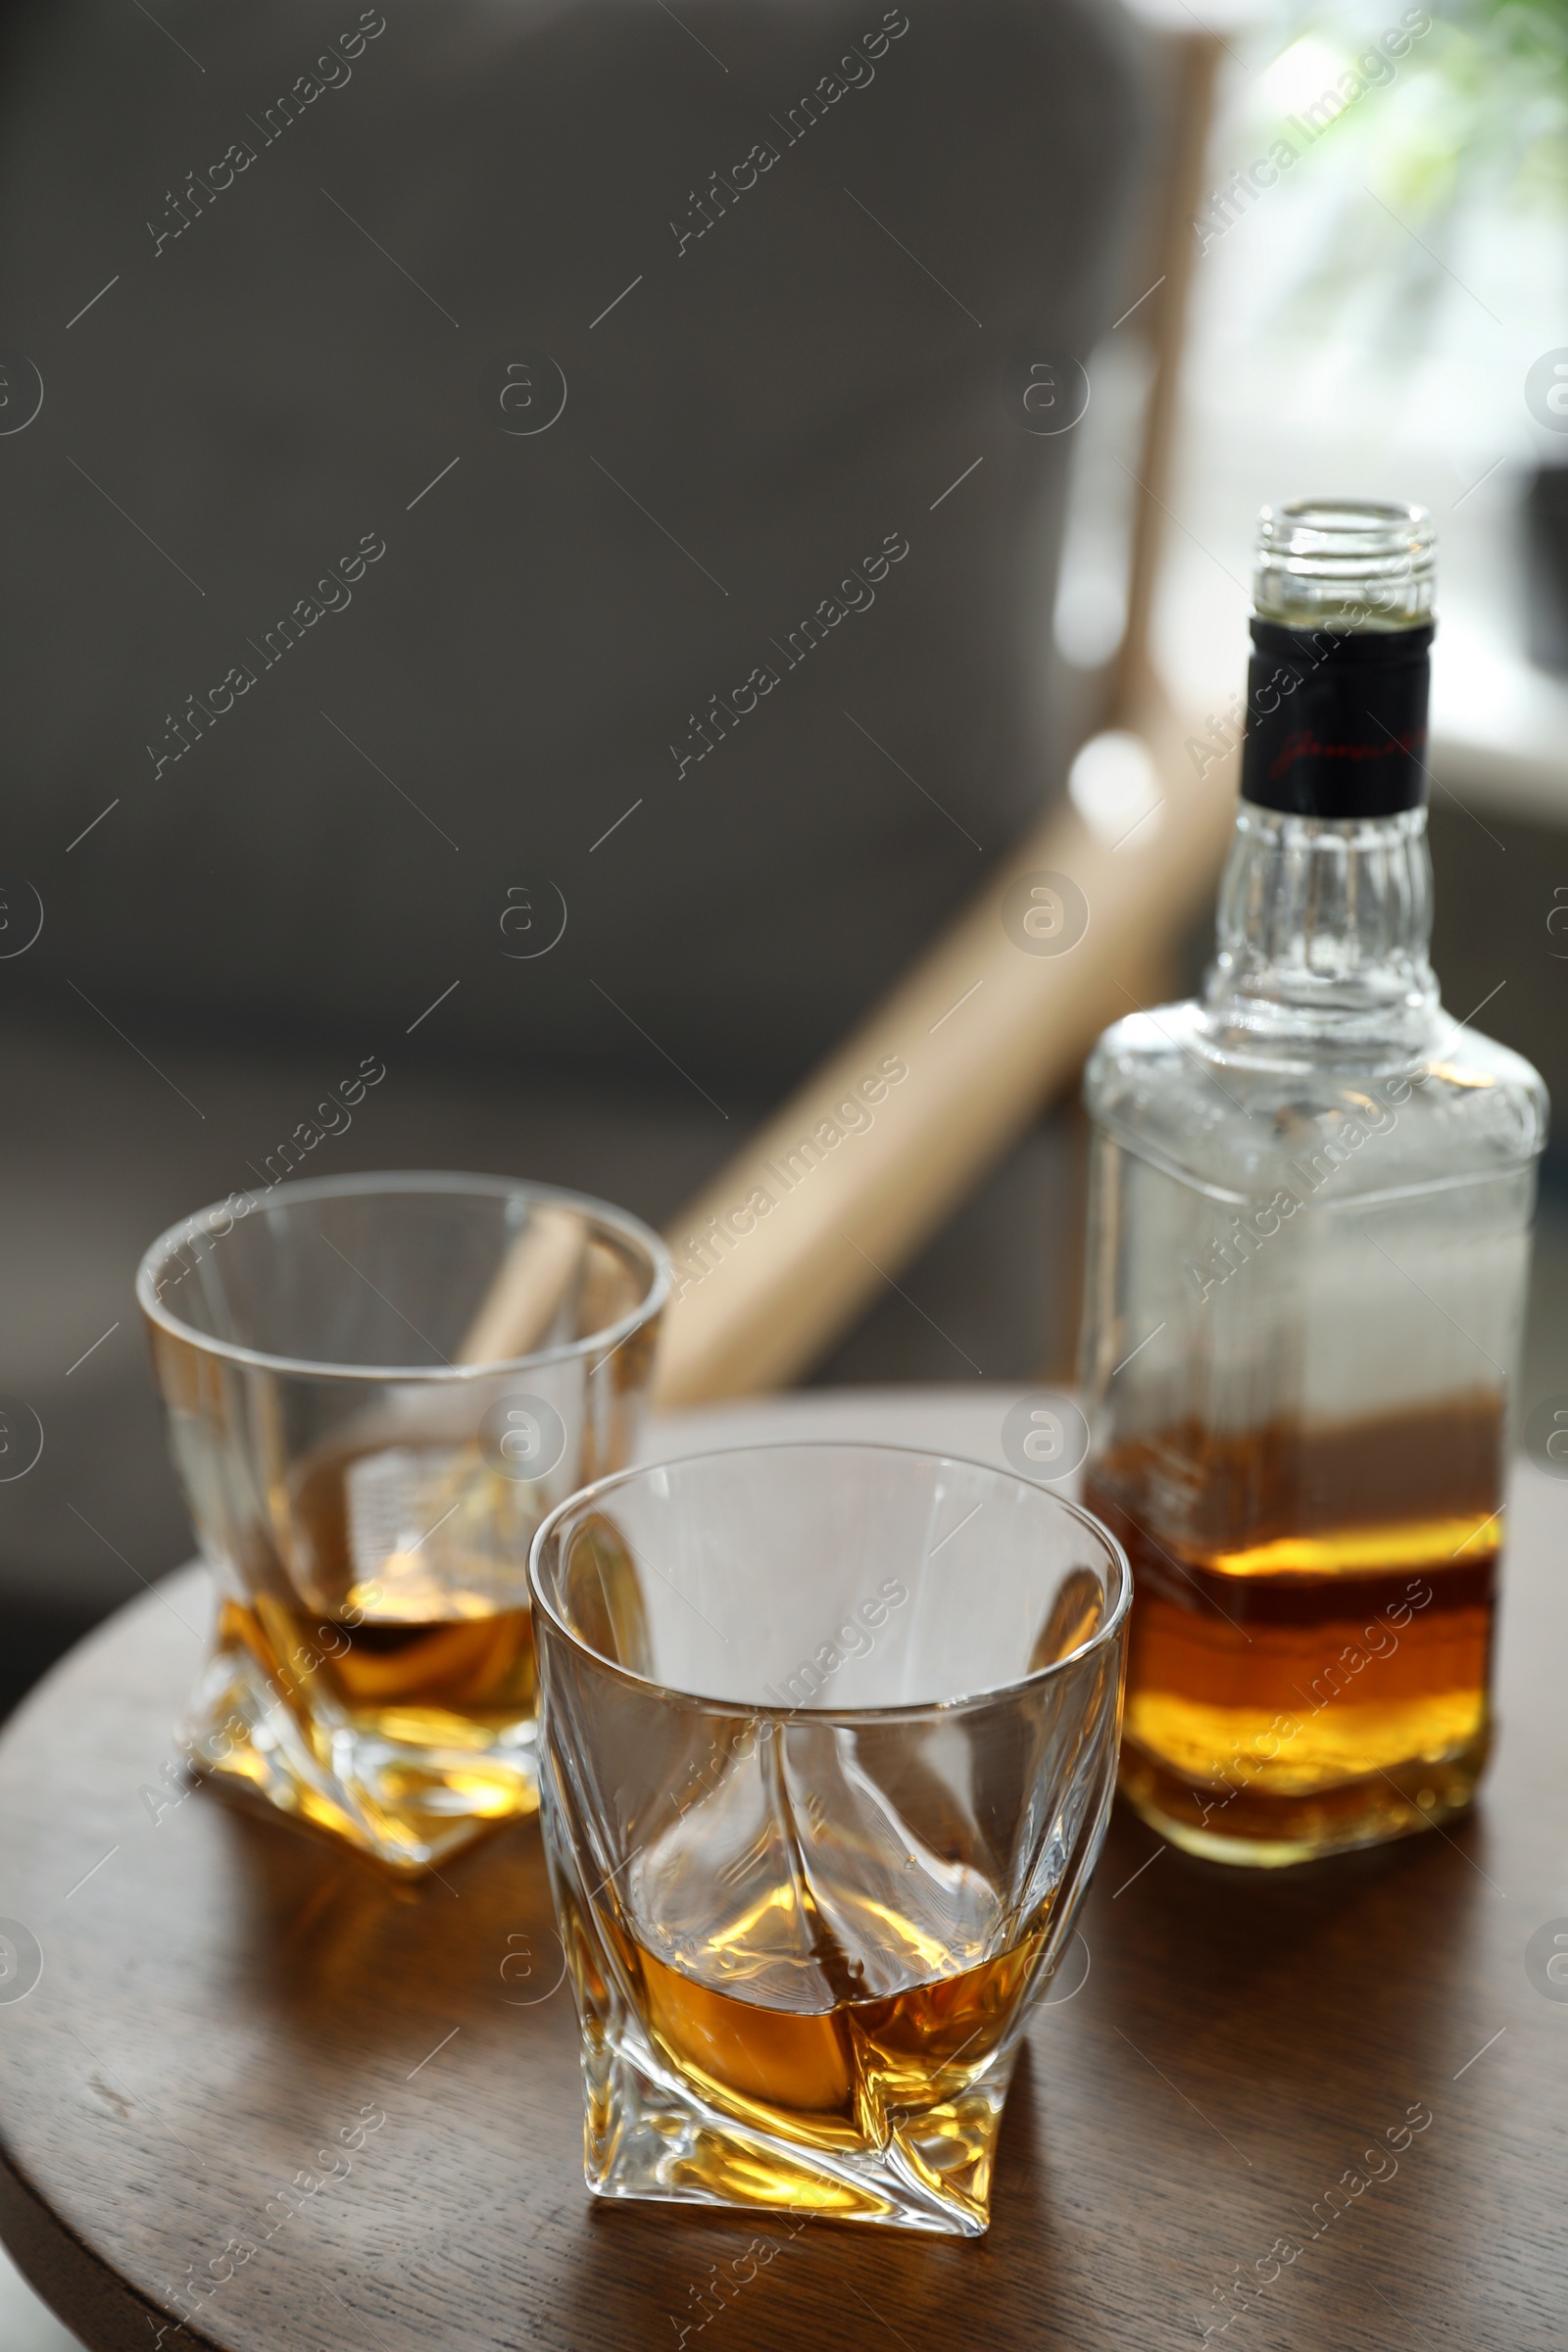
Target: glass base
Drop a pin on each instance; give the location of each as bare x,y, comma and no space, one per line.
1261,1830
410,1806
648,2135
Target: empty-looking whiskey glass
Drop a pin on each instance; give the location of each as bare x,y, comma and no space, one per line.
377,1386
828,1737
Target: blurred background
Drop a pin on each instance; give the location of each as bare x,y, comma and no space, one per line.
414,420
491,388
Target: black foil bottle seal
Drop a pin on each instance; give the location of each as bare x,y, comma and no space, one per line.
1337,721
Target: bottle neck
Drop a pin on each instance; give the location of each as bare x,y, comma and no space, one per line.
1322,935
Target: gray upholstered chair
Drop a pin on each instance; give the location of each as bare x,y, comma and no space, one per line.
462,432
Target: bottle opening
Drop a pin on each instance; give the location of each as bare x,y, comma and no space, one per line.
1346,563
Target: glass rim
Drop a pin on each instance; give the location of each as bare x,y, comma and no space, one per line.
760,1710
198,1227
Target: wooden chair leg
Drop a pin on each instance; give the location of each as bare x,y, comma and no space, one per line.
779,1256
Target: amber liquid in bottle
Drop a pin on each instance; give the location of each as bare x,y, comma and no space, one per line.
1310,1644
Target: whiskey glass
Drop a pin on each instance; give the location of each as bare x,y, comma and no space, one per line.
828,1743
376,1387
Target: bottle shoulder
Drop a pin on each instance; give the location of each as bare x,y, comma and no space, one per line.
1162,1083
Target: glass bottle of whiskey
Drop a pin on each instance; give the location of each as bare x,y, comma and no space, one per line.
1308,1241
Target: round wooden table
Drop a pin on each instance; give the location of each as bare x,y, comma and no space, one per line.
220,1999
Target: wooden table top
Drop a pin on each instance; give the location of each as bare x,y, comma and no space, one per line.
220,1998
